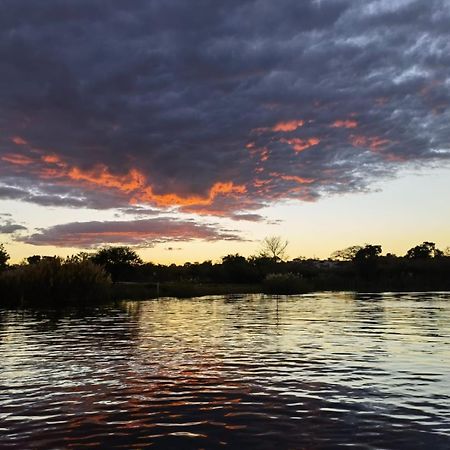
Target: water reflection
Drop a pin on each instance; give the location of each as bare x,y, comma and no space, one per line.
315,371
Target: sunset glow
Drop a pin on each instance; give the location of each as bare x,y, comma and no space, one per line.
220,126
298,145
290,125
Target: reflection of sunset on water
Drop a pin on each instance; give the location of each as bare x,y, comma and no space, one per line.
229,369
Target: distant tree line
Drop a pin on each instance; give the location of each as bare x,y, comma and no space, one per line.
360,268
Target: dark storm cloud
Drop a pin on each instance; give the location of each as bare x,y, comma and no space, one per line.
154,102
139,232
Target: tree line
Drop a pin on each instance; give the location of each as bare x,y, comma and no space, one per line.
423,267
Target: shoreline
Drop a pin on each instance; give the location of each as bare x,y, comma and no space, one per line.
122,291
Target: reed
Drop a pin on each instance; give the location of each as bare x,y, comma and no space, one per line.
54,281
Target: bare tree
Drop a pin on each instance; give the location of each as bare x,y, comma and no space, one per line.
273,247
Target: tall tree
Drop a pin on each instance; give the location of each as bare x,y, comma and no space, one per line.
273,247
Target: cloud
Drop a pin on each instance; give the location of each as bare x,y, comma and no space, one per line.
140,233
348,123
140,211
250,217
151,104
56,195
9,227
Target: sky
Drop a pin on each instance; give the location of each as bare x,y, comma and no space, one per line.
193,129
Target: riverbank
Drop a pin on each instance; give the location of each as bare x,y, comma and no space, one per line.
117,273
143,291
147,291
57,282
272,284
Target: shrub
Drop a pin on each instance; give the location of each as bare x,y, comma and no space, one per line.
56,282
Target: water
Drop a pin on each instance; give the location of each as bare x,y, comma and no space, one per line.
306,372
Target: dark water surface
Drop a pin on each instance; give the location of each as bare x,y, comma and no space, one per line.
320,371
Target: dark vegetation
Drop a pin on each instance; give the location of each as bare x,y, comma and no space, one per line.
56,281
119,273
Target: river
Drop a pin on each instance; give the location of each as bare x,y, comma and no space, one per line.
319,371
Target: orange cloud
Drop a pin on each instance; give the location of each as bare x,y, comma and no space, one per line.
290,125
18,140
301,144
299,180
344,124
261,183
51,159
17,159
133,182
101,176
264,154
172,199
374,143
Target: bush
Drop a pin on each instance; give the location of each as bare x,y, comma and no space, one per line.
52,281
285,283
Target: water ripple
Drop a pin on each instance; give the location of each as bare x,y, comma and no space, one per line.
315,371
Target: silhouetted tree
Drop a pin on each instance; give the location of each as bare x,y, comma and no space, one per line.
273,247
264,265
424,251
35,259
233,259
366,260
236,269
117,261
346,254
367,252
79,257
4,257
197,271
